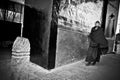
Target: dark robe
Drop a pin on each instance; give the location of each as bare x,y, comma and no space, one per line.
97,45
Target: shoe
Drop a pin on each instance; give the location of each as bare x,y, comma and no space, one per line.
88,64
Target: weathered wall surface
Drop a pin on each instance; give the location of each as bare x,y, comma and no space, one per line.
76,21
80,16
71,46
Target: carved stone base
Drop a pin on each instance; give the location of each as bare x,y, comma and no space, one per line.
20,58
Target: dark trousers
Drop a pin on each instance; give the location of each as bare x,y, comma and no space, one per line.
93,54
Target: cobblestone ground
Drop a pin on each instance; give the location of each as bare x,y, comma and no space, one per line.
107,69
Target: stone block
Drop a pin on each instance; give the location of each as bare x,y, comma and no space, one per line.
20,51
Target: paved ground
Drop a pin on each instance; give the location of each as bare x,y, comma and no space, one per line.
107,69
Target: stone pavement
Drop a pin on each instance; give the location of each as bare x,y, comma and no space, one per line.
107,69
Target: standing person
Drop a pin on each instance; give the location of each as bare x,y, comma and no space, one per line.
98,44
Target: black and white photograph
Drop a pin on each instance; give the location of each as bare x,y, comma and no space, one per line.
59,39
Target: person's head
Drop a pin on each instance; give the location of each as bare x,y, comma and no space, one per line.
97,23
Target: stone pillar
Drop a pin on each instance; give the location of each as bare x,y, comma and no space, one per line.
20,57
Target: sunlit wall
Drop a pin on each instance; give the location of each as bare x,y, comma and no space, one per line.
80,14
118,22
76,18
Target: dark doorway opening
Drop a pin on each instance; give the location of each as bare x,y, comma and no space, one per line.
8,32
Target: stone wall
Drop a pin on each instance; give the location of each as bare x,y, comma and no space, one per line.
71,46
76,20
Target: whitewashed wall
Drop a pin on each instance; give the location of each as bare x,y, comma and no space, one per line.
85,14
118,22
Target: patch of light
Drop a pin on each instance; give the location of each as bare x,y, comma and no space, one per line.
19,1
11,16
67,66
85,14
118,22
